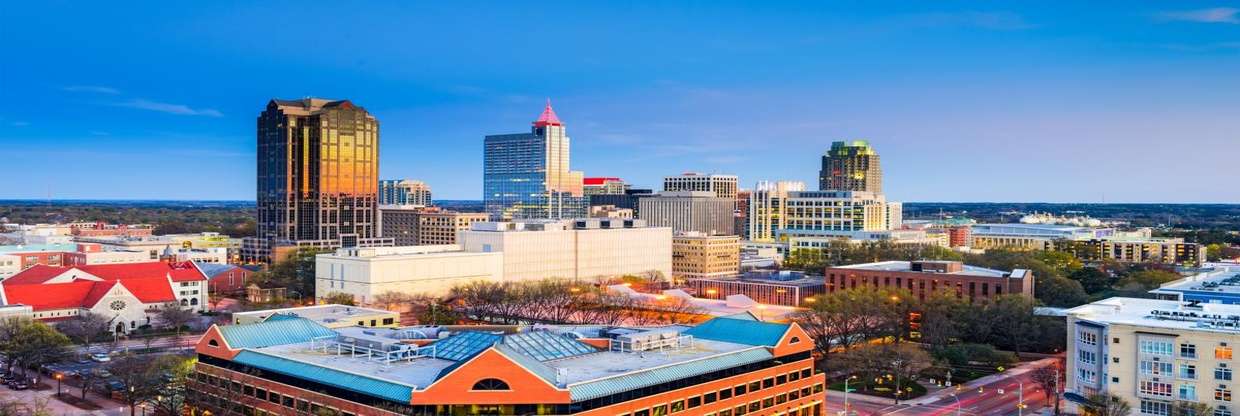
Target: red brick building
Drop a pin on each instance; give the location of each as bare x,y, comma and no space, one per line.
923,277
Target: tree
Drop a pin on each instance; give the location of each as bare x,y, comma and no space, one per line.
338,298
1105,404
850,317
171,392
1187,408
906,361
295,273
1011,322
145,380
391,299
29,344
1059,291
1092,279
1049,378
86,327
1147,279
173,316
942,317
900,361
1063,263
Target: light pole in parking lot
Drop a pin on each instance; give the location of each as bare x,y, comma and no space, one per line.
59,376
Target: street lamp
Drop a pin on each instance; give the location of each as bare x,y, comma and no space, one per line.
846,390
954,396
58,376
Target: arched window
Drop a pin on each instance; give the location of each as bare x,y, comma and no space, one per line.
794,340
193,301
213,343
491,384
184,302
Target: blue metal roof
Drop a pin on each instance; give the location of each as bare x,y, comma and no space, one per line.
212,269
632,381
30,248
353,382
273,332
739,331
529,363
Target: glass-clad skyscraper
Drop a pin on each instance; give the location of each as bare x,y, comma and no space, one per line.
851,166
527,176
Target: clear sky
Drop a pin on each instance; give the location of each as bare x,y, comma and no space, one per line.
982,101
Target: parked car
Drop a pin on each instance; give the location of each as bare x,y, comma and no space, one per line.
19,385
100,357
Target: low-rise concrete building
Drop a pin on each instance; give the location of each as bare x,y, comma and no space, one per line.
431,270
329,315
574,249
697,255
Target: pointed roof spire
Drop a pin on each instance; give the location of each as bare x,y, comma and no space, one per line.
548,117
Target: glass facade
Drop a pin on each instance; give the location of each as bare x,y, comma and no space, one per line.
527,176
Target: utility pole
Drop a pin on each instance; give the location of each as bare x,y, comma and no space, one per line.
1020,405
1056,389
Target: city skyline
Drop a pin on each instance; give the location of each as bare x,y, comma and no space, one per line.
1020,104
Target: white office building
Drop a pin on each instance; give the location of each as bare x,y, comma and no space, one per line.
430,270
574,249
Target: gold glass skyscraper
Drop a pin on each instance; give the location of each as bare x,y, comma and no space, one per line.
851,166
318,169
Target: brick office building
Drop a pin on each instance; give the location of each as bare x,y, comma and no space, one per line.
726,366
922,277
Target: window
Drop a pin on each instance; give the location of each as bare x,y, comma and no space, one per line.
1155,368
1155,347
695,401
1222,352
1222,373
1188,371
794,340
738,390
1154,388
1188,392
755,386
740,410
660,410
1086,375
1188,351
1222,411
1087,357
781,379
709,397
768,383
678,406
213,343
1149,407
1222,394
725,394
491,384
768,402
1086,337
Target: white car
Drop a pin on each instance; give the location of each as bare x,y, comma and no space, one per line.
100,357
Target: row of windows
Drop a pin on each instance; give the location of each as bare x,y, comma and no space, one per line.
753,406
232,388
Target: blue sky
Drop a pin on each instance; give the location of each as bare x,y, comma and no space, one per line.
980,101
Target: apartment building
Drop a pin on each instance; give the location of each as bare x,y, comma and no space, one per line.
1155,354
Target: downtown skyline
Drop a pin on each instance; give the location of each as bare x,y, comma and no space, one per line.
964,105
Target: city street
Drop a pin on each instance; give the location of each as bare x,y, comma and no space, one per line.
979,397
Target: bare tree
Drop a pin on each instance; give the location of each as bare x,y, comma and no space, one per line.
175,317
85,328
1105,404
1187,408
1049,379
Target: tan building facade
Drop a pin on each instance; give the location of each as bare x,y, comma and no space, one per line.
1155,354
425,226
696,255
574,249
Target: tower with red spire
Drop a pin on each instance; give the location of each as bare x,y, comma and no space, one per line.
527,175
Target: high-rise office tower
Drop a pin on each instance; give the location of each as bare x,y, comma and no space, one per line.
318,168
404,192
851,166
723,186
527,176
768,208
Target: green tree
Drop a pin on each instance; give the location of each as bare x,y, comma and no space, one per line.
295,273
1059,291
1147,279
29,344
942,317
1063,263
1092,279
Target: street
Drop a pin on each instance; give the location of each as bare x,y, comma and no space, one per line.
979,397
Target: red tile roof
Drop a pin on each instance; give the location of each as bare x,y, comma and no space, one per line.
147,281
